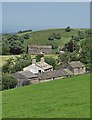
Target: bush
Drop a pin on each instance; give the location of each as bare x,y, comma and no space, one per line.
76,38
8,81
67,29
26,36
54,36
54,45
81,35
50,37
38,57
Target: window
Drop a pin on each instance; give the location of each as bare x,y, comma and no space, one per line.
39,71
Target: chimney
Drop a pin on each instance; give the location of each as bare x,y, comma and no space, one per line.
33,61
42,59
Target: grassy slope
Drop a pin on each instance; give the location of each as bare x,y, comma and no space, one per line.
66,98
41,37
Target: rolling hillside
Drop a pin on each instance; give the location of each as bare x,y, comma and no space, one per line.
66,98
41,37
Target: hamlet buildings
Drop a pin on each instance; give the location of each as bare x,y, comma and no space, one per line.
41,72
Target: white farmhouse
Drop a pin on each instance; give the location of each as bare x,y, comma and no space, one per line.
38,67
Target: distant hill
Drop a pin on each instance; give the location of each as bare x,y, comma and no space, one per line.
41,37
65,98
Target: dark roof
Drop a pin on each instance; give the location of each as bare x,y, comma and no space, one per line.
68,71
76,64
17,75
28,74
24,75
52,74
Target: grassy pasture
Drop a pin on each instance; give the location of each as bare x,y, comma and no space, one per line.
65,98
41,37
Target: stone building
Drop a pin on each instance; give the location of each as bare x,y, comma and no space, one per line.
76,67
25,77
38,67
42,49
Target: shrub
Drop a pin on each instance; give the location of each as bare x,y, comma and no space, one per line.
8,81
67,29
38,57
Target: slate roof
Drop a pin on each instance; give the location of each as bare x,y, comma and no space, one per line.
68,71
43,65
27,74
52,74
17,75
76,64
24,75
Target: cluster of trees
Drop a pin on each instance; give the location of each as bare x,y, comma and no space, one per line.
8,81
71,46
13,44
81,35
54,36
26,36
54,44
23,31
78,50
16,64
11,66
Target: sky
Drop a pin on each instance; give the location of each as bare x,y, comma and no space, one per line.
44,15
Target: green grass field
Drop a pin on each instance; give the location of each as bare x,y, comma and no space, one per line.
65,98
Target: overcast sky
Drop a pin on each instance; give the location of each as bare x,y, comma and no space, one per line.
37,15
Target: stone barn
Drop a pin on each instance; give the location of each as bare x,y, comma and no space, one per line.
52,75
25,77
42,49
76,67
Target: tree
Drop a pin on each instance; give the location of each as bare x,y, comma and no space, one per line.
51,61
54,36
16,47
71,46
68,29
5,46
17,64
6,68
50,37
58,36
5,50
26,36
54,45
38,57
81,34
12,44
76,38
65,57
8,81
